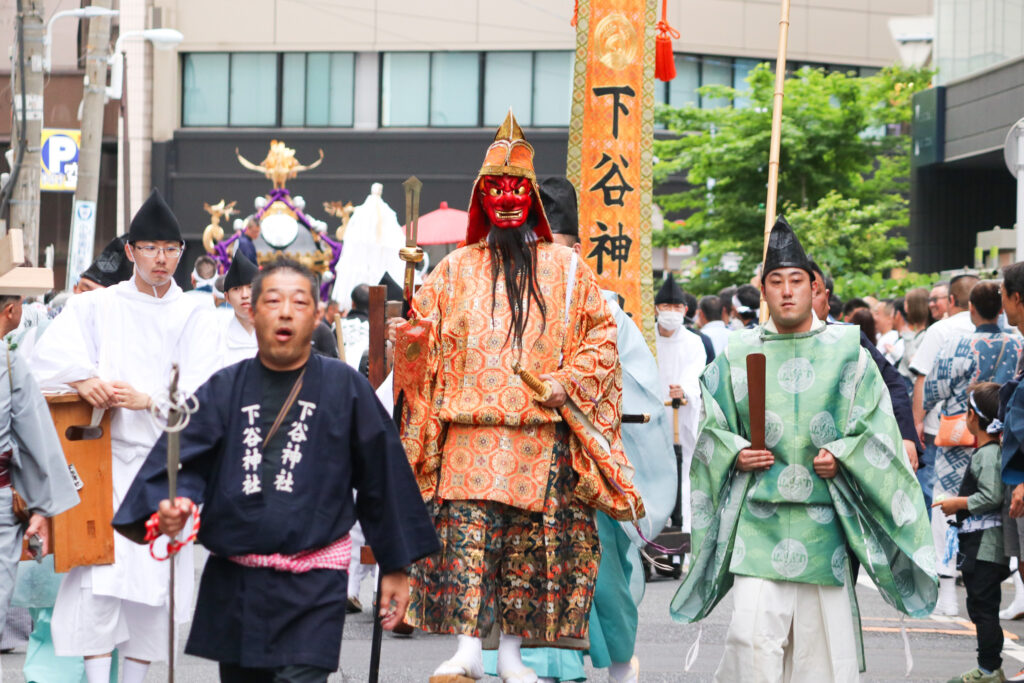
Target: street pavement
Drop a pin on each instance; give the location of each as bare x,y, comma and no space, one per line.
940,646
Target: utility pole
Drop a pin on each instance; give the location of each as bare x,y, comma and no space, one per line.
25,199
94,98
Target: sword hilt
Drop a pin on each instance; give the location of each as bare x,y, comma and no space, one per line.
540,388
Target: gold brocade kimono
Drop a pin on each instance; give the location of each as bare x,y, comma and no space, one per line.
473,431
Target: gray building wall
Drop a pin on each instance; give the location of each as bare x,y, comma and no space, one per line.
981,109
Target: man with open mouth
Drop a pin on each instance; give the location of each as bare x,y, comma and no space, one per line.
274,453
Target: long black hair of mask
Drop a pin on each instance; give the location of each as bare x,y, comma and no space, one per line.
514,253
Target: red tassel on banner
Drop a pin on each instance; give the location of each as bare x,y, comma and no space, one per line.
575,14
664,60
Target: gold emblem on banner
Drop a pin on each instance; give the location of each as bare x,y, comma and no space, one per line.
616,41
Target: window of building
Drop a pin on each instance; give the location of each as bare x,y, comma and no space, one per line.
318,89
508,82
405,89
268,89
474,89
455,89
682,90
253,90
552,88
205,90
740,71
715,71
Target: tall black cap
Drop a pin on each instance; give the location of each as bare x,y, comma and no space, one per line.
670,292
785,251
395,291
111,267
559,198
242,271
155,221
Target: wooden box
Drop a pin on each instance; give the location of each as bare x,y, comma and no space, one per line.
82,536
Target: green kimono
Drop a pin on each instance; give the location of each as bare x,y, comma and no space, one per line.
787,523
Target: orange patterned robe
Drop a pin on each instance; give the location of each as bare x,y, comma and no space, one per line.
472,430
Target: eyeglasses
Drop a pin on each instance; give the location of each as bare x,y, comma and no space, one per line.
936,299
152,250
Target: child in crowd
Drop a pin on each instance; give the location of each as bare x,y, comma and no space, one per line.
978,511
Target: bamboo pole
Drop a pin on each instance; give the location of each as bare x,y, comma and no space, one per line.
776,141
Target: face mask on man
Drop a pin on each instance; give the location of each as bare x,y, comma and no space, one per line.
670,320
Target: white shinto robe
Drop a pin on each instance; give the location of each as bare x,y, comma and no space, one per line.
119,333
681,359
236,344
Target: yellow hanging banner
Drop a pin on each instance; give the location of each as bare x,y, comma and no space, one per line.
610,139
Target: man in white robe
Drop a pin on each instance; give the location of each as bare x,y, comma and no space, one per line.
681,359
115,347
238,334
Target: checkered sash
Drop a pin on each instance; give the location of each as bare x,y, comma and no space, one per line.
337,555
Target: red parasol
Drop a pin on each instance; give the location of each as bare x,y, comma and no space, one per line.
443,226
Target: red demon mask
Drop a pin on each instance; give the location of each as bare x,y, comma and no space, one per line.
506,188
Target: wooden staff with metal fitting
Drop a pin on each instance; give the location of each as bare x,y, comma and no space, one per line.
676,519
411,253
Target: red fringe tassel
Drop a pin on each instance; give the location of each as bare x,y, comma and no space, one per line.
664,59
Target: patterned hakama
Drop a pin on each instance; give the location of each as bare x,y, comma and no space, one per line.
531,573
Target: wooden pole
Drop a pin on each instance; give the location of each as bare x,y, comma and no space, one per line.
339,336
378,355
776,141
25,197
93,100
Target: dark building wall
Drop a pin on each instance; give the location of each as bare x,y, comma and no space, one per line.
200,166
950,205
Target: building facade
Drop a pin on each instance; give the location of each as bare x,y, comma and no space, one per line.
960,184
392,88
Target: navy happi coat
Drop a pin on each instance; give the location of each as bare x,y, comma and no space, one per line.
337,439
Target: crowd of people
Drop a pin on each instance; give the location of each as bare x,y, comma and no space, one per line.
518,458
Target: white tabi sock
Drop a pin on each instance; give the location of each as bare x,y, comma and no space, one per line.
947,602
623,672
134,672
468,659
97,669
510,660
1016,608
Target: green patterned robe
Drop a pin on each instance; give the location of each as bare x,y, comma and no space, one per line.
788,524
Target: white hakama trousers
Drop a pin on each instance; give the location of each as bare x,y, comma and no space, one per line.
86,624
784,632
357,571
687,460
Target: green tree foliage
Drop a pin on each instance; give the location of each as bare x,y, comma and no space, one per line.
842,181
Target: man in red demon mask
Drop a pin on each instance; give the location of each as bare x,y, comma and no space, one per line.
512,473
